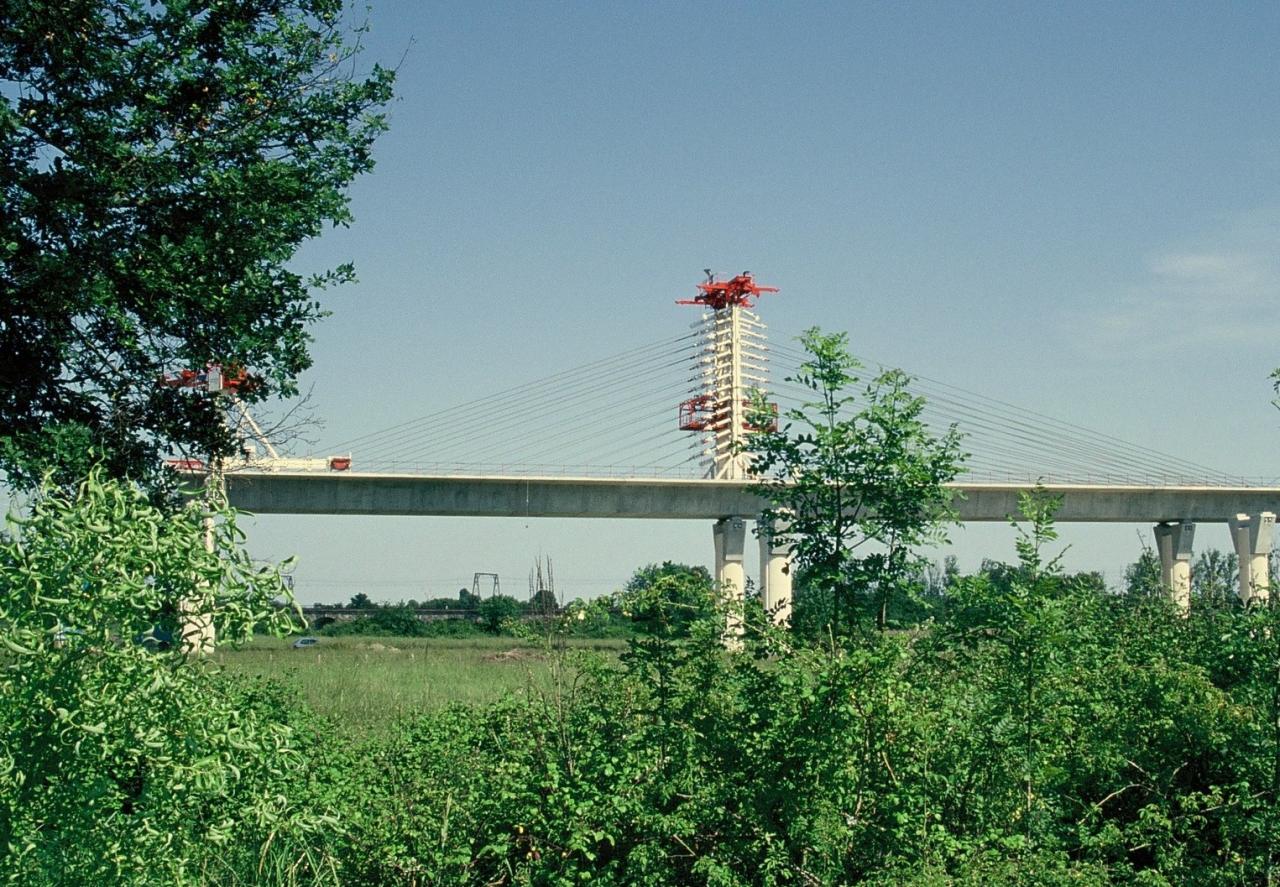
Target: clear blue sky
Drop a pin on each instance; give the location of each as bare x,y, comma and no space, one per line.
1072,207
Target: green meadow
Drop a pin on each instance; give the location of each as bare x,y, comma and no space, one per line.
366,683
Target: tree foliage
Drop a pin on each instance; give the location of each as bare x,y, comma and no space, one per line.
160,163
856,482
395,621
1037,730
360,601
665,599
544,602
497,611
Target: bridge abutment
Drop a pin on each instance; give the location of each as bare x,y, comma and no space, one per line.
1251,535
1174,543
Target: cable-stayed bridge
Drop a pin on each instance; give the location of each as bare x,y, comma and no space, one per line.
617,418
655,432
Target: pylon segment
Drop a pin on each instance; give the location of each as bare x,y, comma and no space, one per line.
729,362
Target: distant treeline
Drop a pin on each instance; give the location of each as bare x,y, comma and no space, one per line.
932,593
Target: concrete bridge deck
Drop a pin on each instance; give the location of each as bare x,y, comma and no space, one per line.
677,498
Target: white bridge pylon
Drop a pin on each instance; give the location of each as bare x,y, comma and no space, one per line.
731,363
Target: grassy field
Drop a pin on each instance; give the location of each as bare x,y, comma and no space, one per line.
367,682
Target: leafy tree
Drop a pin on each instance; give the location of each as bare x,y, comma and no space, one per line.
1214,578
444,603
160,164
401,622
667,598
394,621
360,601
1031,619
647,575
856,484
938,578
496,611
1142,577
544,601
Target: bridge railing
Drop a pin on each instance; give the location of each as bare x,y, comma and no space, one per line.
1154,480
521,469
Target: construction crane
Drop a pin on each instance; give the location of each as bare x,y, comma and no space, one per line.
230,382
736,292
730,365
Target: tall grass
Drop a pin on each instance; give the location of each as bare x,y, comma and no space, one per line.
279,864
365,683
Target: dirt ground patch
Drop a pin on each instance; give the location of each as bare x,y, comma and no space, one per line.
514,655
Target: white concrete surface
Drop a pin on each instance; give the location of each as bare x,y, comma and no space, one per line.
1252,534
1175,543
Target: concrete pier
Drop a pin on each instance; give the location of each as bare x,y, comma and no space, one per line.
1251,536
730,537
1174,543
775,576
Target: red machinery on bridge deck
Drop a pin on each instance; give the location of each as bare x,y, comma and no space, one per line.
234,380
214,377
701,414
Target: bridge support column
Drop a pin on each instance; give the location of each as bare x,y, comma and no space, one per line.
196,634
730,536
1174,542
1252,537
775,574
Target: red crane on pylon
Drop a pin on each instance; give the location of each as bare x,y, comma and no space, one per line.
736,292
731,363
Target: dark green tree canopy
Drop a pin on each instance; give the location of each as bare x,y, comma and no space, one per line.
667,598
360,601
644,577
160,163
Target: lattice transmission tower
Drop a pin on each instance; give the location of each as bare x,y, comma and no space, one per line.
730,361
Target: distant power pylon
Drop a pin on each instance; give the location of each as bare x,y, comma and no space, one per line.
475,584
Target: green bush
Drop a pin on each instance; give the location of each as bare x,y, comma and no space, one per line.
899,761
498,611
120,764
1042,732
1038,732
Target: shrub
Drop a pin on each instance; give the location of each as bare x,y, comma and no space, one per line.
497,611
120,764
1043,732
